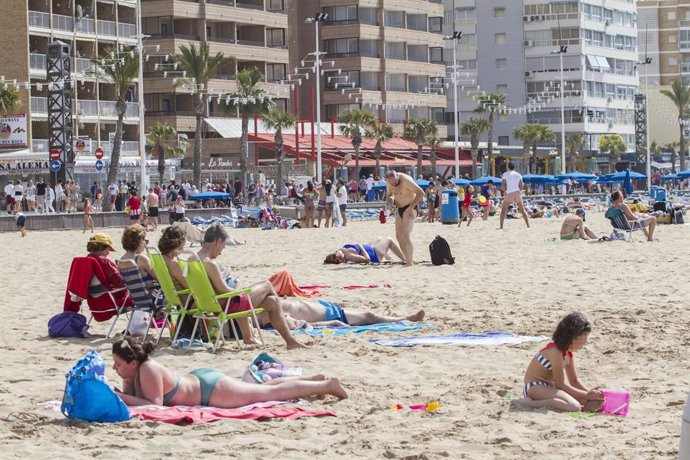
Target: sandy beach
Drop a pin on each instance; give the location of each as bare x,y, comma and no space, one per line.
518,280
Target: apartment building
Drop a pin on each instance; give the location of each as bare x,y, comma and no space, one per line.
90,27
253,32
391,50
513,47
664,36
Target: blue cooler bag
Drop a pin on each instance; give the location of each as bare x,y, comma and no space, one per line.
88,397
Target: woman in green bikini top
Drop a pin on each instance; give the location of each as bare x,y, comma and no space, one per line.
144,381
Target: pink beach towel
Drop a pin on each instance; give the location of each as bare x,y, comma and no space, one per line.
351,287
199,414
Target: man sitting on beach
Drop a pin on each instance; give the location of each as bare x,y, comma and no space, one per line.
574,227
262,294
324,313
407,195
648,223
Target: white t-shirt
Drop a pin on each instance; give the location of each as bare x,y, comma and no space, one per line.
370,183
342,199
9,189
512,180
113,189
31,192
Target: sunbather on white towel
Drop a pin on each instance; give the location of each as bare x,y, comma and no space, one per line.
195,235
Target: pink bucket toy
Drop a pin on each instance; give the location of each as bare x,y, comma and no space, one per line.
616,402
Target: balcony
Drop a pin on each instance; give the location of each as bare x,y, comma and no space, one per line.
38,62
87,108
39,19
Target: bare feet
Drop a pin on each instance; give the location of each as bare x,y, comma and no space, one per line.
294,344
251,341
334,388
419,316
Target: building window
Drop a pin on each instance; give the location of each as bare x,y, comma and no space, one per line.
499,12
501,64
342,47
672,61
436,54
342,14
501,38
464,14
435,24
275,72
503,140
275,37
672,38
346,79
275,5
502,89
394,18
671,16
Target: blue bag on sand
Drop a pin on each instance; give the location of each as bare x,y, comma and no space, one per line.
88,397
68,324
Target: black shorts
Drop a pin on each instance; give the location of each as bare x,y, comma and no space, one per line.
21,221
153,212
134,216
343,207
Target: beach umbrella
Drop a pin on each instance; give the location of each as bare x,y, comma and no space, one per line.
485,180
210,195
460,182
423,183
529,178
670,177
578,176
627,183
620,176
684,174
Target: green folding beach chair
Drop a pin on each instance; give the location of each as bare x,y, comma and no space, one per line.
621,225
172,296
207,304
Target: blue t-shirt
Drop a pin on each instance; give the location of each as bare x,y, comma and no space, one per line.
485,191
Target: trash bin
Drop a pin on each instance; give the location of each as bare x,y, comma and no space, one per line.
450,210
658,193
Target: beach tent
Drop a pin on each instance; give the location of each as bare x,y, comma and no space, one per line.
210,196
485,180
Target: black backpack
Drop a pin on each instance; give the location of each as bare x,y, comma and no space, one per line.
440,252
678,217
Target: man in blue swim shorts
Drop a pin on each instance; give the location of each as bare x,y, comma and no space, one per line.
325,313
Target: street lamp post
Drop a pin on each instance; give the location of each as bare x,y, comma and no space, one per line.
140,96
455,37
561,51
321,17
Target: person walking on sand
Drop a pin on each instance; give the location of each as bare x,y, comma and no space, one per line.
404,191
511,185
152,201
88,210
466,207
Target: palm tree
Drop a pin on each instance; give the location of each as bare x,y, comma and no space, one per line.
420,131
671,147
249,100
490,103
613,145
380,132
434,143
200,67
529,134
278,120
680,95
121,71
474,127
163,142
356,121
573,143
10,100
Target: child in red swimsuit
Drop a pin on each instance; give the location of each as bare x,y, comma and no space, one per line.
551,380
465,206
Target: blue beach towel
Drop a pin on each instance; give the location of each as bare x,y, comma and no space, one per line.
382,327
460,338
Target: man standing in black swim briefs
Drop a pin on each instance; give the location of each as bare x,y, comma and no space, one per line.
402,189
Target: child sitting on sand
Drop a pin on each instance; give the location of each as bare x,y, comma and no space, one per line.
551,380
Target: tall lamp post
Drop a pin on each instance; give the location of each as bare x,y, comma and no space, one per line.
320,17
455,38
140,96
561,51
646,62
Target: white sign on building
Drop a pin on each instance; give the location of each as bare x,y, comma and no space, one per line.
13,131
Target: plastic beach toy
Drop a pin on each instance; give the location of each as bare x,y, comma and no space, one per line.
616,402
429,407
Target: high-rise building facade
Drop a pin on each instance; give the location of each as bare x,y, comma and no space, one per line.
513,48
91,28
391,50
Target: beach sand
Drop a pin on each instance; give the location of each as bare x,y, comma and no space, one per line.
519,280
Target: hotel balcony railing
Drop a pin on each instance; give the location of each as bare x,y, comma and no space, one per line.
87,108
84,26
39,19
251,42
38,62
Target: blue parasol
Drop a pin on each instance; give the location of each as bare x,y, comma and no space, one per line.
485,180
210,195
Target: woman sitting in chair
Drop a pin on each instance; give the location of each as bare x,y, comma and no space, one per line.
134,243
144,381
171,245
100,245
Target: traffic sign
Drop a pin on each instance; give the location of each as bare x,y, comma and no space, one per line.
99,165
99,153
55,154
55,165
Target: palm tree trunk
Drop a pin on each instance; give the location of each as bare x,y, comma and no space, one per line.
196,172
432,160
244,155
377,156
279,158
682,146
490,144
161,163
420,150
357,161
115,152
475,157
526,158
673,162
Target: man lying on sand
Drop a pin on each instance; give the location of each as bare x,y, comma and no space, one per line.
366,253
324,313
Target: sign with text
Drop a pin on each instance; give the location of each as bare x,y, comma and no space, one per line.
81,146
13,131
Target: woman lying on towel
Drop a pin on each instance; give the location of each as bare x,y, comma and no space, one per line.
551,380
366,253
144,381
